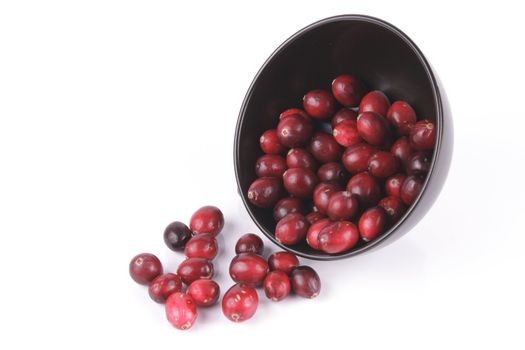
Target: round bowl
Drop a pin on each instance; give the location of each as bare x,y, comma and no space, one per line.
385,59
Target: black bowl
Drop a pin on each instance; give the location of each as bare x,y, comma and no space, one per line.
385,59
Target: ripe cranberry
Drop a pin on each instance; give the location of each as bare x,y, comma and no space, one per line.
176,235
393,185
181,310
313,232
270,165
372,223
342,206
373,128
291,229
355,158
348,90
394,207
331,172
249,268
338,237
305,282
277,285
283,261
294,131
383,164
418,164
203,245
287,206
410,189
423,135
319,104
375,101
315,216
193,269
249,243
240,302
163,286
325,148
208,219
322,194
204,292
402,116
366,188
402,150
144,268
269,142
292,111
265,192
346,134
300,182
300,158
342,115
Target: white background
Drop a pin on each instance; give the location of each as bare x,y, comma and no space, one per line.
117,117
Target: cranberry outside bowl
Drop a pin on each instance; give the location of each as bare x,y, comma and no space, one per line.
379,54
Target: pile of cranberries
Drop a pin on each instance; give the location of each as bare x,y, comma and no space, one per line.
333,189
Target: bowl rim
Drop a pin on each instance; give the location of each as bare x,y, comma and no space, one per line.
439,134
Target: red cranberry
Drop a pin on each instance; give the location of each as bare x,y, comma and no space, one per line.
144,268
319,104
375,101
204,292
366,188
270,165
322,194
393,185
423,135
410,189
348,90
300,182
181,310
346,134
176,235
283,261
372,223
270,142
208,219
240,302
355,158
291,229
402,116
342,115
265,192
292,111
418,164
394,207
331,172
305,282
300,158
249,243
325,148
338,237
193,269
373,128
402,150
203,245
342,206
287,206
313,232
383,164
277,285
163,286
249,268
315,216
294,131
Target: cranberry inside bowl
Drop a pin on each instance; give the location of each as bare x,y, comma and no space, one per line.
383,58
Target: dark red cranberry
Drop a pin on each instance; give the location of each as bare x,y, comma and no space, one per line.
410,189
300,182
249,268
418,164
346,134
338,237
163,286
314,216
294,131
355,158
277,285
402,150
270,142
383,164
265,192
372,223
204,292
393,185
313,232
300,158
283,261
319,104
287,206
348,90
144,268
249,243
193,269
366,188
291,229
325,148
342,115
181,310
203,245
240,302
331,172
394,207
208,219
423,135
322,194
373,128
293,111
402,116
375,101
270,165
305,282
176,235
342,206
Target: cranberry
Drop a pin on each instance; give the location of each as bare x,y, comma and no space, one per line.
346,134
208,219
300,182
277,285
348,90
163,286
423,135
249,268
305,282
373,128
410,189
291,229
249,243
331,172
292,111
176,235
322,194
393,185
375,101
319,104
313,232
144,268
193,269
270,165
314,216
338,237
300,158
294,131
394,207
204,292
265,192
418,164
366,188
181,310
355,158
402,116
325,148
240,302
372,223
283,261
270,142
203,245
342,115
402,150
287,206
342,206
383,164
